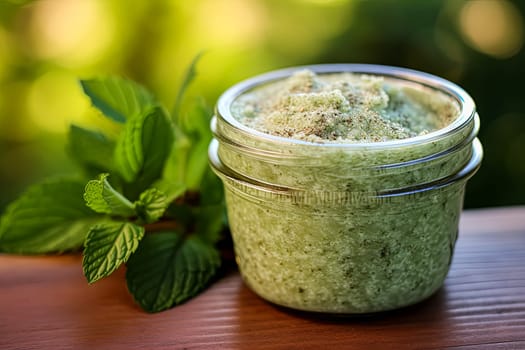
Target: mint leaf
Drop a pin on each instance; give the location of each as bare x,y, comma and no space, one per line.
202,212
209,222
170,188
210,217
49,217
117,98
188,159
176,164
102,198
92,149
151,205
189,76
211,189
107,246
195,122
167,269
142,149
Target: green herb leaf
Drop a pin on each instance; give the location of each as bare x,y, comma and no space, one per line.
142,149
168,269
188,160
211,189
102,198
117,98
189,76
209,222
107,246
176,164
49,217
172,189
210,216
151,205
92,149
195,122
197,164
202,212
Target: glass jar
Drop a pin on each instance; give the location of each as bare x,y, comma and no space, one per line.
345,227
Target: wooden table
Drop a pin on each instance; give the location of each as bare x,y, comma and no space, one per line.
45,303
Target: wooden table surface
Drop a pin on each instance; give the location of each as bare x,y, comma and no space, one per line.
45,303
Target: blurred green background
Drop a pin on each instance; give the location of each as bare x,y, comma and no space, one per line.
46,45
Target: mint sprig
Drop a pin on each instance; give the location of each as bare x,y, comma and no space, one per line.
150,200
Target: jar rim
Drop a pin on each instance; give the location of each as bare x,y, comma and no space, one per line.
466,103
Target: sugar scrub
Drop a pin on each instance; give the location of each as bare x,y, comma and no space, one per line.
344,183
343,108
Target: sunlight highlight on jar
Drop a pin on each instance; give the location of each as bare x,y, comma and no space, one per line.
493,27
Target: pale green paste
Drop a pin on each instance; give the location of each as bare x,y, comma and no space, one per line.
343,107
334,246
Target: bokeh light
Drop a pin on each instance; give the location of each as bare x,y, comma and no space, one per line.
70,33
225,27
494,27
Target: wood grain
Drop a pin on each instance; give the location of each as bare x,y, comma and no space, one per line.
45,303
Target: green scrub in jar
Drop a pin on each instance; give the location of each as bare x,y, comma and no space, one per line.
344,189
